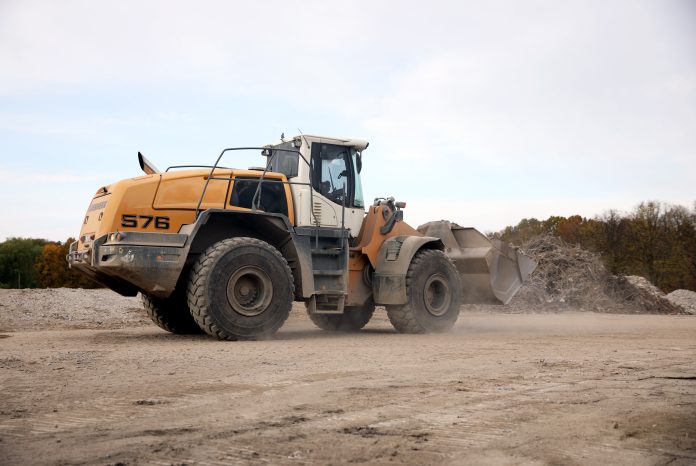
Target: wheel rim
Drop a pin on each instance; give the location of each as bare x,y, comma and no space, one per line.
437,295
249,291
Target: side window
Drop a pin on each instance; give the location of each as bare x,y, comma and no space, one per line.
285,161
333,175
272,195
358,200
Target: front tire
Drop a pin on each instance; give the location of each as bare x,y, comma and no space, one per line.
352,320
433,296
171,314
240,289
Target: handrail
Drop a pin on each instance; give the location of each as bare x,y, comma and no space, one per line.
270,159
194,166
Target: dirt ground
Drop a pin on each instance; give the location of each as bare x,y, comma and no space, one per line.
99,387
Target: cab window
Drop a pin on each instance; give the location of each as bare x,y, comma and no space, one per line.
272,195
358,200
285,159
333,173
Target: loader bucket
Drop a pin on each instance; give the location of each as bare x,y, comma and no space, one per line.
491,271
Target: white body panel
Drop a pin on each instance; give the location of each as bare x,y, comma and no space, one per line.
314,209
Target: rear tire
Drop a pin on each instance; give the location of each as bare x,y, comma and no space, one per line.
433,293
352,320
240,289
171,314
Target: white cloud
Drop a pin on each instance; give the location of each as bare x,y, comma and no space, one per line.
28,178
588,105
85,128
494,215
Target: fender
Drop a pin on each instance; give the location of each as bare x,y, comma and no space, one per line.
214,225
393,260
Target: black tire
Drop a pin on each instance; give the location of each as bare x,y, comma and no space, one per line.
433,294
171,314
240,289
353,319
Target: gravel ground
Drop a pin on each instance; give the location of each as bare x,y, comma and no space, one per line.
67,308
86,379
64,308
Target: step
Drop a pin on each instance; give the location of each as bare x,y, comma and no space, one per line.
335,273
327,252
328,311
336,307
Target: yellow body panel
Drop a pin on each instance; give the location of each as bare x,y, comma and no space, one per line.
370,239
163,202
365,252
182,190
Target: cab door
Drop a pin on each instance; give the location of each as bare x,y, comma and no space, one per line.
336,184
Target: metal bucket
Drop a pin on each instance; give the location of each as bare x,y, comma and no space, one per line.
491,271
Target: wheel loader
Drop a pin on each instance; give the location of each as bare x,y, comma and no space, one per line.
226,251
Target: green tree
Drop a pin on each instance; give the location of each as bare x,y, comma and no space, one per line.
17,257
527,229
613,240
681,225
655,240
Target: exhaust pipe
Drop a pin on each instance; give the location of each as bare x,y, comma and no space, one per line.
146,165
491,271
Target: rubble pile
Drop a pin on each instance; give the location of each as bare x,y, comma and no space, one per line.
566,275
638,293
686,299
570,277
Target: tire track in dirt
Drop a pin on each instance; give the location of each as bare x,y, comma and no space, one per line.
115,410
539,391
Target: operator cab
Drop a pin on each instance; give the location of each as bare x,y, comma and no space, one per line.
334,176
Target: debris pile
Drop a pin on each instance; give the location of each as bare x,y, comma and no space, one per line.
638,293
686,299
566,275
570,277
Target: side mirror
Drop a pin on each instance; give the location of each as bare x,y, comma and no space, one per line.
358,161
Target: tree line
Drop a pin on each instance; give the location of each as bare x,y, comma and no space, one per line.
655,240
37,263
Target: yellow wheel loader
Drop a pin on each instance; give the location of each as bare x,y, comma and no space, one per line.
226,251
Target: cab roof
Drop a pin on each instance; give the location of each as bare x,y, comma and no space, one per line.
359,144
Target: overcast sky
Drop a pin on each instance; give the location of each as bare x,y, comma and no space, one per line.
479,112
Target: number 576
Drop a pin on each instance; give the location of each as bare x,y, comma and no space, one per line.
144,221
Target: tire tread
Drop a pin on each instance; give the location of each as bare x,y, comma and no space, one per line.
402,316
203,268
341,322
170,315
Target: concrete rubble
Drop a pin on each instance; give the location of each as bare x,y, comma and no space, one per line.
570,277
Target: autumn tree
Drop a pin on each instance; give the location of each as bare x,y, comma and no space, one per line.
655,240
52,268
